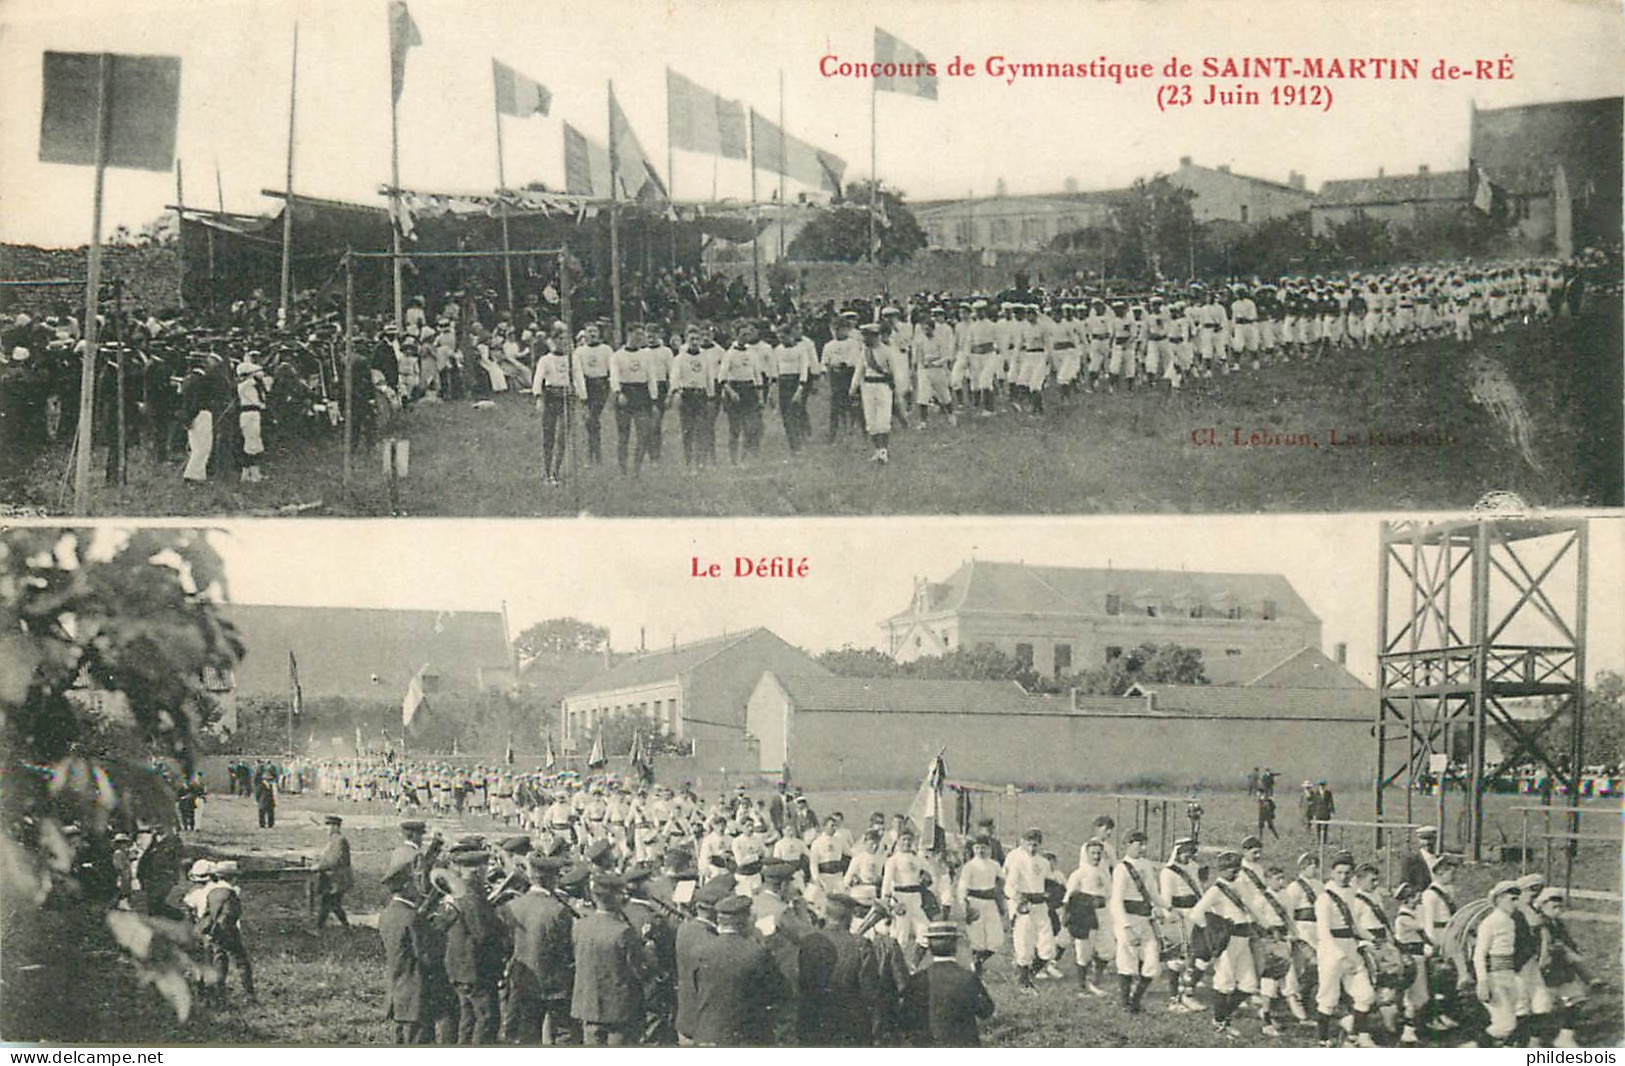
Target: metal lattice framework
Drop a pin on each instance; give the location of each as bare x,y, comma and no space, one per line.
1481,628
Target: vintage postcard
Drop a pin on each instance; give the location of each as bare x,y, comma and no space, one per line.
1226,782
494,259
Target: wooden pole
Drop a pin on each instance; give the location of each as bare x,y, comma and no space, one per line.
394,223
755,216
614,227
180,243
565,313
783,165
93,281
349,356
502,200
874,173
287,204
118,334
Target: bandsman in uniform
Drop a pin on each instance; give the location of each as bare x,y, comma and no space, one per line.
611,966
412,958
476,947
943,1002
1228,922
334,876
1495,966
833,1002
905,878
539,975
739,986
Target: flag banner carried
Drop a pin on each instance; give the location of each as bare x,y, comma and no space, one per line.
926,812
586,165
403,34
293,682
552,759
913,72
518,95
1481,192
698,120
628,163
143,110
415,701
595,759
798,160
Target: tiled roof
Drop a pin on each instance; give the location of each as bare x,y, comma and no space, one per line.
1015,588
657,666
1394,189
912,695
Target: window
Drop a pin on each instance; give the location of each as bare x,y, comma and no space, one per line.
1024,655
1114,603
431,683
1234,611
1269,610
1196,610
1232,653
1063,659
1244,212
1113,652
1151,610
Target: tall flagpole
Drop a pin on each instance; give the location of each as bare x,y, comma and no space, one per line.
671,175
614,227
755,216
502,199
93,284
395,220
783,164
180,243
874,171
286,305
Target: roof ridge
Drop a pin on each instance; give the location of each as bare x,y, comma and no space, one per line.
1278,664
347,607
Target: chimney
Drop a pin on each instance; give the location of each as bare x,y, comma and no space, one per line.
1223,168
1184,161
1295,180
643,643
1342,649
1422,171
1071,186
998,188
1379,172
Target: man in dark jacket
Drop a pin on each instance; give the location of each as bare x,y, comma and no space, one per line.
739,984
541,969
694,939
943,1000
476,948
611,964
409,959
334,876
835,1001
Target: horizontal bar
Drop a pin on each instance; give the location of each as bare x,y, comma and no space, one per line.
1601,838
1591,893
454,255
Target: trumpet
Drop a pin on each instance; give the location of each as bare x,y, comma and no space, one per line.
878,913
660,904
510,887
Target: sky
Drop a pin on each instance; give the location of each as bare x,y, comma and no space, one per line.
634,576
1034,135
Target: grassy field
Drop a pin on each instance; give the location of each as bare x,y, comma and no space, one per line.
63,982
1100,454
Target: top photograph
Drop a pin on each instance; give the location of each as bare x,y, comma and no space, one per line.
402,258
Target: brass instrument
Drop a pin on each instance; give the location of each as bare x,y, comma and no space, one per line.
510,887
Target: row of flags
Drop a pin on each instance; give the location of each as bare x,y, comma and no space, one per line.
697,120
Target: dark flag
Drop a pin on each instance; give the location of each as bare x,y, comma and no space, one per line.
143,109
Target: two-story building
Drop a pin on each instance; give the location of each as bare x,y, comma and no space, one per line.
1060,620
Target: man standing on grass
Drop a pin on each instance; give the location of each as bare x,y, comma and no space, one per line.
943,1001
1032,937
409,957
610,968
476,951
875,384
1133,904
334,876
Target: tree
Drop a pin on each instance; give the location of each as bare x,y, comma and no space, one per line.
562,636
105,641
1168,664
860,662
1156,228
840,232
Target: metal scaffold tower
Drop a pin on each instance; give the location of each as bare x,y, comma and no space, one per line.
1480,645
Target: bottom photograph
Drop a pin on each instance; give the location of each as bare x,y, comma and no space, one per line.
1162,782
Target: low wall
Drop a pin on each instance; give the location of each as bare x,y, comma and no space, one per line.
879,750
